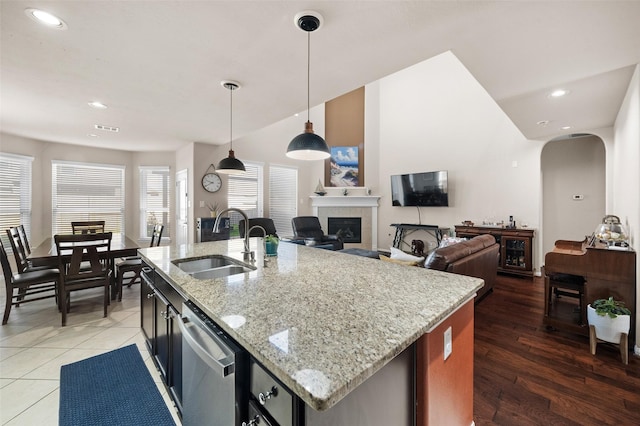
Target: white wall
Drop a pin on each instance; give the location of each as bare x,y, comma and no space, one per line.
436,116
572,167
44,152
626,174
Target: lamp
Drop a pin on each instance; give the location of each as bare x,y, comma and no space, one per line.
308,145
231,165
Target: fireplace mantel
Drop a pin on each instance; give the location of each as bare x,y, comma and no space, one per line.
347,202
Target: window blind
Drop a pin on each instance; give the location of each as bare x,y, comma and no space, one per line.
15,193
245,193
154,200
85,191
283,196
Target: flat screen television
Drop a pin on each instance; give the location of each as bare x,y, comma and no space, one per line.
420,189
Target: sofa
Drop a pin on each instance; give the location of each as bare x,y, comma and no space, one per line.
477,257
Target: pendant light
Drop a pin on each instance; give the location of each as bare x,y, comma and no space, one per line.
308,145
231,165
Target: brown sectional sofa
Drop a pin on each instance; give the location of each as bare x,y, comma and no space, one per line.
477,257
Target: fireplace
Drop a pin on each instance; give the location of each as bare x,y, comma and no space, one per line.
349,229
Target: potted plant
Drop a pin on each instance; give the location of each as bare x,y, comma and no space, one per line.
213,209
609,320
271,243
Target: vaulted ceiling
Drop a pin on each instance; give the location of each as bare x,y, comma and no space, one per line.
158,65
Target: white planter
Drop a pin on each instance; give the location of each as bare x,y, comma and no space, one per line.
608,329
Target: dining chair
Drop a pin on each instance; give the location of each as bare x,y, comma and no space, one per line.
22,261
23,238
128,270
88,227
30,286
76,251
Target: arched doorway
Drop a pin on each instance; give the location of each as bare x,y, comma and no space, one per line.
573,187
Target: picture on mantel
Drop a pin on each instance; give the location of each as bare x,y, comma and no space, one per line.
344,166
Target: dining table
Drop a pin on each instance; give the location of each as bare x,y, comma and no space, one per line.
46,254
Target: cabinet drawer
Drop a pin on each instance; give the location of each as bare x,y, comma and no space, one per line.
273,397
255,411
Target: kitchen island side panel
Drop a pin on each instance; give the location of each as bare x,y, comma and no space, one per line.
444,388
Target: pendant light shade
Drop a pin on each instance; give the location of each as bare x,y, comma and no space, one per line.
231,165
308,145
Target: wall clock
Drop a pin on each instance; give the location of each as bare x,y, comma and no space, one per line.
211,181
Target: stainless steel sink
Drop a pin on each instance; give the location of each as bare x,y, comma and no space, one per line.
222,271
211,267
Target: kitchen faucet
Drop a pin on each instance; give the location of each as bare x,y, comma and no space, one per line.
247,254
264,242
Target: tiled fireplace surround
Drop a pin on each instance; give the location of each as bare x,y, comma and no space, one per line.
357,203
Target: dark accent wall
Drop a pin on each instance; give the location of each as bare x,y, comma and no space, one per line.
344,126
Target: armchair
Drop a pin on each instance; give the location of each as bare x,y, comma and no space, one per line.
307,229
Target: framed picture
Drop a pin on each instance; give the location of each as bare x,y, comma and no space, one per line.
344,166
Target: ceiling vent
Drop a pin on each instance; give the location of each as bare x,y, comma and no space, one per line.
107,128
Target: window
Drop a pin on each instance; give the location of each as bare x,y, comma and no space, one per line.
15,193
83,191
283,197
154,200
245,193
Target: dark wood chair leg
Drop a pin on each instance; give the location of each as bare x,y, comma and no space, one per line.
7,309
65,306
106,300
119,285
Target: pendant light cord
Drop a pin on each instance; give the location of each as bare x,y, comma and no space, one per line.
308,74
231,89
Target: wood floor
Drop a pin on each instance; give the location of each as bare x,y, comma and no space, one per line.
525,374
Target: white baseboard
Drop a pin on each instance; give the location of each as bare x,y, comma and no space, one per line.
636,350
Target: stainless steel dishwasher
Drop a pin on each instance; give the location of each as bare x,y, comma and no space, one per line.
213,372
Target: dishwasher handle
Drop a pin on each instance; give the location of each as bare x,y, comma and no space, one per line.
223,367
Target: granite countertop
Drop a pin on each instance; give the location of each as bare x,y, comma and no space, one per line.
322,322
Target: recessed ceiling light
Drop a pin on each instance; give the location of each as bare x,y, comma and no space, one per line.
46,18
559,93
565,127
543,123
98,105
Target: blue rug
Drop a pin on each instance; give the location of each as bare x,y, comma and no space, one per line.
114,388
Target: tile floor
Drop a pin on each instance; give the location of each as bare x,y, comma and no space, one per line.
33,346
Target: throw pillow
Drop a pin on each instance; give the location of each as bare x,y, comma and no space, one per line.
449,241
400,255
400,262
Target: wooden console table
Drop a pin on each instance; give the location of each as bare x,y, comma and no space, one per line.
404,229
515,247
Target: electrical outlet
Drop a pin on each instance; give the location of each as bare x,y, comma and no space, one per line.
448,347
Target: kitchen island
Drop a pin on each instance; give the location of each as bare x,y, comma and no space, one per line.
327,324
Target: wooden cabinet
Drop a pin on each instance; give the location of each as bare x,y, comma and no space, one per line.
160,304
515,247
